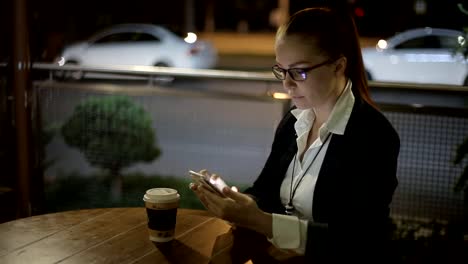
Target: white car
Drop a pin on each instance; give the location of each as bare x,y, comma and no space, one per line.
421,55
143,45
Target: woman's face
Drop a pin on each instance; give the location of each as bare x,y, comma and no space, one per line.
321,85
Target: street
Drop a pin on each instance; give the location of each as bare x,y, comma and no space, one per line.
228,126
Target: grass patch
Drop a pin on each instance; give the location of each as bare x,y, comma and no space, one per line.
75,191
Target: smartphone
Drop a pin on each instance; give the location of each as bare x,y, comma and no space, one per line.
215,184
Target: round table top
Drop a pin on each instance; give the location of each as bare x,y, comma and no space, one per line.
112,235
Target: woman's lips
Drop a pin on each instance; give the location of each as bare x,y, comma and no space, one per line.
296,97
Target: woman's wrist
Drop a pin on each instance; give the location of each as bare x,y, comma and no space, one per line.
262,223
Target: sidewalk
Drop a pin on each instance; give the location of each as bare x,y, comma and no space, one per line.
253,43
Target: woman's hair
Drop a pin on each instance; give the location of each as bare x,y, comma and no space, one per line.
334,33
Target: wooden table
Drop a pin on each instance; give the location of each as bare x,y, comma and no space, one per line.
112,235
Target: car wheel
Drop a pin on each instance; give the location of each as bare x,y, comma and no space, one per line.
161,64
162,79
465,83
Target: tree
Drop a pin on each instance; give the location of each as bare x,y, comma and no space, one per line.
112,132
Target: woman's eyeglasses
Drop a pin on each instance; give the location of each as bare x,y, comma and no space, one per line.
297,74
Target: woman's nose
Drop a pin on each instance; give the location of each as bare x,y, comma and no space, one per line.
288,83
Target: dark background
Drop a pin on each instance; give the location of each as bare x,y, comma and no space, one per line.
54,23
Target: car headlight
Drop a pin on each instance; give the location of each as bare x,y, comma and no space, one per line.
60,61
381,45
190,38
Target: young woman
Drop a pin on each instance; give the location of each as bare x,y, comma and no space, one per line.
331,174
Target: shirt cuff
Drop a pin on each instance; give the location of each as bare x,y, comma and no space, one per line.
289,232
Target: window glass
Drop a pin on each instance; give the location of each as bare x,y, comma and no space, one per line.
448,42
426,42
126,37
145,37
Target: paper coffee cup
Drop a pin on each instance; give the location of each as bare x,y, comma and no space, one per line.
161,209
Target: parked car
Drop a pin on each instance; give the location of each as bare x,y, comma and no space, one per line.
140,44
421,55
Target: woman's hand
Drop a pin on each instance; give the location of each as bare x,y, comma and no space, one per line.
236,207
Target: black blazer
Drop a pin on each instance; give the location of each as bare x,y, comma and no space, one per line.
354,187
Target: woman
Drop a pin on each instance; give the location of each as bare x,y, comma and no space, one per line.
331,173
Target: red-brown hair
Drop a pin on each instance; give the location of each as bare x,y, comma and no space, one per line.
335,35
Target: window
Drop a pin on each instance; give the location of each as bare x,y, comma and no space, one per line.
449,42
145,37
426,42
126,37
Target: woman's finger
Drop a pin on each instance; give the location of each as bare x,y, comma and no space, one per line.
235,195
202,198
193,186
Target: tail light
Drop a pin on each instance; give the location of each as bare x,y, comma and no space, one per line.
195,49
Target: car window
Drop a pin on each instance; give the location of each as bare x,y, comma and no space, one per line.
126,37
449,42
145,37
426,42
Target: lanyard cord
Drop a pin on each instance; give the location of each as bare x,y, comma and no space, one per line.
293,192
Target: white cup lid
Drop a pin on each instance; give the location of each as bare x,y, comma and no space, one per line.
160,194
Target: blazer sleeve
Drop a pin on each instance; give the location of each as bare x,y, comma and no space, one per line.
356,194
266,188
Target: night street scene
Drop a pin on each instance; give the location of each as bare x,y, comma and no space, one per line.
101,101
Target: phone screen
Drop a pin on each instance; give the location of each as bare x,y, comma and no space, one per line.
205,180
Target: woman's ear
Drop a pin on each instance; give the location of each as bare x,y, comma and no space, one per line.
340,65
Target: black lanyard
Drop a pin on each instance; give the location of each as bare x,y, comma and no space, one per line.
290,207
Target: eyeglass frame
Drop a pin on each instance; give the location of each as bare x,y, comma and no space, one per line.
303,71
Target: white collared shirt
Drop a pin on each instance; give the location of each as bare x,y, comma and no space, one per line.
290,232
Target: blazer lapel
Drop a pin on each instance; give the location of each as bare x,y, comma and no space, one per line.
332,169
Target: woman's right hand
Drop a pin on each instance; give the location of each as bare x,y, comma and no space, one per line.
237,208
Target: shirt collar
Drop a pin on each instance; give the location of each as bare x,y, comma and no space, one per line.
337,120
305,119
341,112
